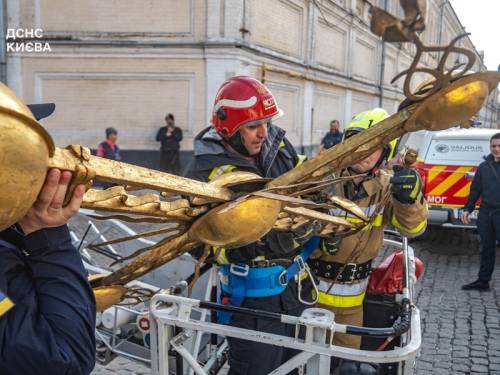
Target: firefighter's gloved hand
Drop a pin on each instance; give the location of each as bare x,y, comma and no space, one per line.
330,245
303,233
278,244
406,184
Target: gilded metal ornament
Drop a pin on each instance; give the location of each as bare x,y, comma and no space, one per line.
237,208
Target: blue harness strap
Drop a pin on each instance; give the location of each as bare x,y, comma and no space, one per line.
239,280
299,263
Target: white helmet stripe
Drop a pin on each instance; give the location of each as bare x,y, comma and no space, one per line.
235,103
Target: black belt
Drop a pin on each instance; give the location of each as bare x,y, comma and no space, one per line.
350,272
270,263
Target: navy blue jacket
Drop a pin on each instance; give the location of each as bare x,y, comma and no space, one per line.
50,329
277,157
485,186
331,139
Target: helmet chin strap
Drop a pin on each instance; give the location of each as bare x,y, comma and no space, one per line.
383,156
237,143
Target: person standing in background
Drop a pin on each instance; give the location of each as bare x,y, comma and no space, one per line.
333,137
486,186
109,149
170,137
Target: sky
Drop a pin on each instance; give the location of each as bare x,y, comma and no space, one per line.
481,18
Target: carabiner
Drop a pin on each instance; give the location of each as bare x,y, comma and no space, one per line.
307,270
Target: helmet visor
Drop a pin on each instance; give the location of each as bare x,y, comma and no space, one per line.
264,120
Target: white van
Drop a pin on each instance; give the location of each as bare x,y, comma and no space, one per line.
447,162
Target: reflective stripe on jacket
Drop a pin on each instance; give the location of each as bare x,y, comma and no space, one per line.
342,295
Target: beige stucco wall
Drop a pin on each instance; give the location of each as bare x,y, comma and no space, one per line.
150,19
131,93
127,64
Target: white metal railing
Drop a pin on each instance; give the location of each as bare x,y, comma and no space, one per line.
169,311
315,351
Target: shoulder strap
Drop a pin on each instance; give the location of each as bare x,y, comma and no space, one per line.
296,267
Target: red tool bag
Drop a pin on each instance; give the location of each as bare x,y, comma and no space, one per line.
387,278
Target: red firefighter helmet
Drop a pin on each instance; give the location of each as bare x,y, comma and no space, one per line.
242,101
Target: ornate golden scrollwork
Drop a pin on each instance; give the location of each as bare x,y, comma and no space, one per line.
235,199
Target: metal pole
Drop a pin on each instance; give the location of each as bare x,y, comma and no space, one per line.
182,352
382,68
213,298
199,334
406,270
3,54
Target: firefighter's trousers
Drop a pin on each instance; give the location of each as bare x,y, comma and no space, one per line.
254,358
346,302
347,315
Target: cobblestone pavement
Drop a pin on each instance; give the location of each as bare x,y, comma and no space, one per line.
461,330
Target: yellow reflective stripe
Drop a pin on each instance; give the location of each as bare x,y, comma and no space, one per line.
301,159
282,144
414,230
354,220
416,189
220,255
5,305
212,174
219,171
340,301
368,211
377,221
343,289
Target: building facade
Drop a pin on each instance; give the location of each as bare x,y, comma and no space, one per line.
127,64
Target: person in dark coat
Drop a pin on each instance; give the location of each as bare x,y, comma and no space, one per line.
243,138
486,186
170,137
333,137
47,307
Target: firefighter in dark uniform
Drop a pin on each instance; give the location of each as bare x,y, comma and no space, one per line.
47,308
243,138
